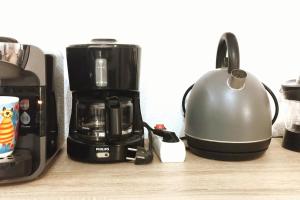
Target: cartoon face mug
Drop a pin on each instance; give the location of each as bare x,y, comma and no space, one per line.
9,119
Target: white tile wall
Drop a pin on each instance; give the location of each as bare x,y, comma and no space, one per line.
178,37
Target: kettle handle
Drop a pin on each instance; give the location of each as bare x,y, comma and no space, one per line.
228,43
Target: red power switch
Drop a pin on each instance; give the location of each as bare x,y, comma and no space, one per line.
160,127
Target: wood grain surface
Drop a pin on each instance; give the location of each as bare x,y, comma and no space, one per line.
275,175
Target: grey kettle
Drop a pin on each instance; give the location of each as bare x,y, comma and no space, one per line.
228,115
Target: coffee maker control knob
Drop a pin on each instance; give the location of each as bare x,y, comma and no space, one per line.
25,118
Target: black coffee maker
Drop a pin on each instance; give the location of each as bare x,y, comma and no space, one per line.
27,72
106,122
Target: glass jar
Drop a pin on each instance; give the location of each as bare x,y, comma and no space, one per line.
291,93
292,116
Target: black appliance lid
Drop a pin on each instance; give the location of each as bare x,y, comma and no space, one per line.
103,43
291,89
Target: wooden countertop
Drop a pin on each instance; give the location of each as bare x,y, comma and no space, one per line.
275,175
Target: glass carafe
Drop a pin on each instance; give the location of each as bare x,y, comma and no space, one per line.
92,119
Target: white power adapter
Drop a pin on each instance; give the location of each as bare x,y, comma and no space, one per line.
168,151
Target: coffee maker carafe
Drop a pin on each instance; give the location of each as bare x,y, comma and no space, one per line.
106,120
27,73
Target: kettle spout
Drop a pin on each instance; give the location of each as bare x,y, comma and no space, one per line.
237,79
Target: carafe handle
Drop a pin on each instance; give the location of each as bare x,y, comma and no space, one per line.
228,43
113,129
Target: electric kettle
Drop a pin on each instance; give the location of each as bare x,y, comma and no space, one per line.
228,115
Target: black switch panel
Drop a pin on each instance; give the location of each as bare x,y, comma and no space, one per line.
29,115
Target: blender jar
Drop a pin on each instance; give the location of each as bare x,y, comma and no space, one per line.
291,93
292,119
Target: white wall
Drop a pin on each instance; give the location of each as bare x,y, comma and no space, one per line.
178,39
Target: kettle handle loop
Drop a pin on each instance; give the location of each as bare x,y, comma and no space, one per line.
228,43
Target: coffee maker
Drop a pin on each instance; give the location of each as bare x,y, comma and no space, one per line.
106,122
27,73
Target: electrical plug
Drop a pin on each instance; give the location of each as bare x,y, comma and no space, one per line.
142,156
168,136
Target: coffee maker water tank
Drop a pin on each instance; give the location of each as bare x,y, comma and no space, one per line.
107,65
101,72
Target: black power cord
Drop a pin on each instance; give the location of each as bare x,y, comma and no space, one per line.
167,136
150,131
142,155
266,88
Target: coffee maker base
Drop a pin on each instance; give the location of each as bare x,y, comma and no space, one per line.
19,164
94,152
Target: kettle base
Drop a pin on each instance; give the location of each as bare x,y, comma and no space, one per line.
227,156
227,151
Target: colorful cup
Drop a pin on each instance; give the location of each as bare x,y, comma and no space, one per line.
9,119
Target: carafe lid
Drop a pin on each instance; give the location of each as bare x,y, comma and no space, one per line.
291,89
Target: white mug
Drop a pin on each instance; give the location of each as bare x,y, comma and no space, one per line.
9,119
